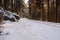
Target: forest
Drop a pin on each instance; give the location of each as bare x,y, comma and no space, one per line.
43,10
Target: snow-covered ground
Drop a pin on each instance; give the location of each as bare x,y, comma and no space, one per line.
27,29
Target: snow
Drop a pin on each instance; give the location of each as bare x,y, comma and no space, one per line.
27,29
8,14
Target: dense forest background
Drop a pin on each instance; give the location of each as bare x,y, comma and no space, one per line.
44,10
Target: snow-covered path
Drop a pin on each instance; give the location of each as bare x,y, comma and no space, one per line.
27,29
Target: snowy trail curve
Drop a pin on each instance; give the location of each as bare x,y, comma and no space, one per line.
27,29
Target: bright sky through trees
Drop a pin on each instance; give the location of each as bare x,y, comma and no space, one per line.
26,1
